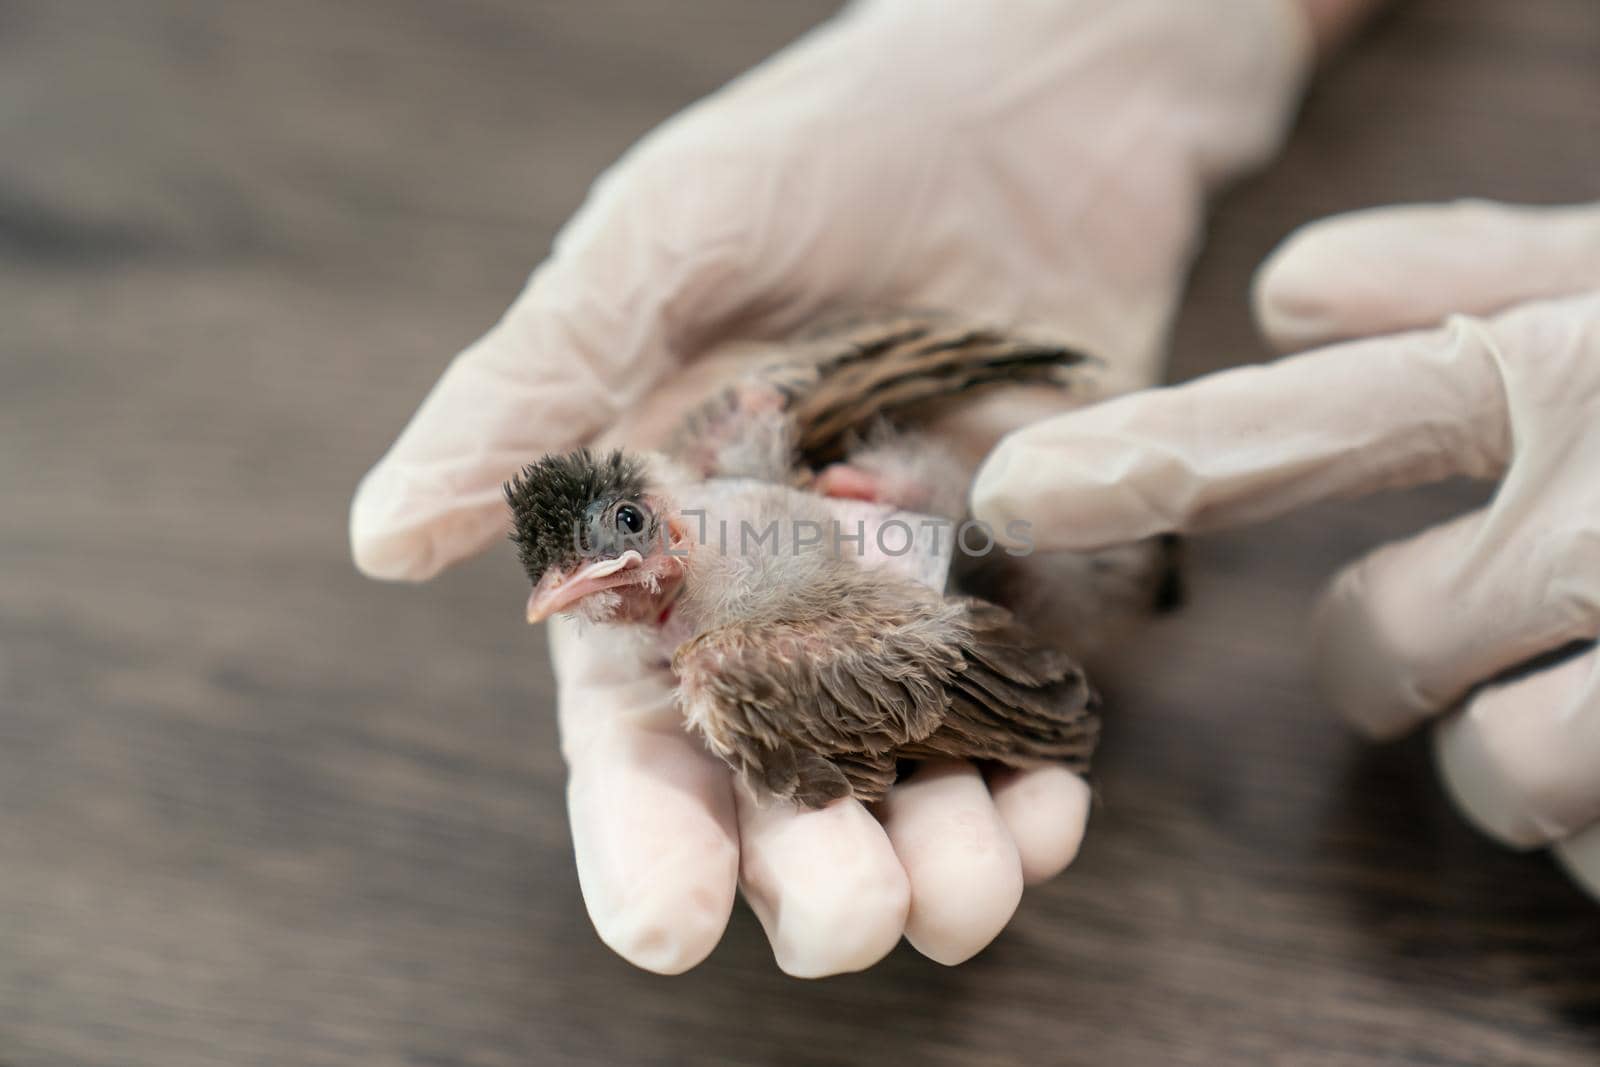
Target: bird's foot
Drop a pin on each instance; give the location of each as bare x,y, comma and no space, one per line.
845,482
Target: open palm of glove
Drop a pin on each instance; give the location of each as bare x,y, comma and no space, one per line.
1042,165
1507,388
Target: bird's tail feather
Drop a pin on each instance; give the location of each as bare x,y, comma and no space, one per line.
1017,701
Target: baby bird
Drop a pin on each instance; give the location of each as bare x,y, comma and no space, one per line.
811,673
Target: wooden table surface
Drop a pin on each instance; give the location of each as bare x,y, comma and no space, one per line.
257,810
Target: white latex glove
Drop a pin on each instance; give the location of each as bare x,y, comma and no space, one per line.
1507,388
1043,163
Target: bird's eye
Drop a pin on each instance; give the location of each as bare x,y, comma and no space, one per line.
629,520
614,528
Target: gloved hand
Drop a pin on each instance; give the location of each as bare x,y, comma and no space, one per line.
1043,164
1507,388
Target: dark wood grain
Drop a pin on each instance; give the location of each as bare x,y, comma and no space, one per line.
255,810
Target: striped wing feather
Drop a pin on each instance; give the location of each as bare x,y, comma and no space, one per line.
845,383
816,710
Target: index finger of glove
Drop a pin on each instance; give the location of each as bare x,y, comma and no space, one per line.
1250,444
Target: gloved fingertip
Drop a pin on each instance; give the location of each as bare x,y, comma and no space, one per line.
825,884
1357,663
965,872
653,835
666,933
391,558
1478,785
842,932
398,534
950,930
381,545
1042,491
1046,809
1290,293
1579,856
992,500
1516,759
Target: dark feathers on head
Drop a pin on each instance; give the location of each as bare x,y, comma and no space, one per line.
551,501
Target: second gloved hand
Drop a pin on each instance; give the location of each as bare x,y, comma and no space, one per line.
1507,388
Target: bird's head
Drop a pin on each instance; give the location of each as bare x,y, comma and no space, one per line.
595,538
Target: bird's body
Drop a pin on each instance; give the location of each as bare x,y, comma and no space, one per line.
809,671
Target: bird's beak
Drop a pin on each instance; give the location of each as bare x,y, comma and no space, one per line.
557,591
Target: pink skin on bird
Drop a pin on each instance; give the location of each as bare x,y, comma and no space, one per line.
630,588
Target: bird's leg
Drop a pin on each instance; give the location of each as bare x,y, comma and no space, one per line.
908,471
845,482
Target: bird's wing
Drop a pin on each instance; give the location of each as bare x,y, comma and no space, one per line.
837,385
819,709
816,709
884,370
1016,701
